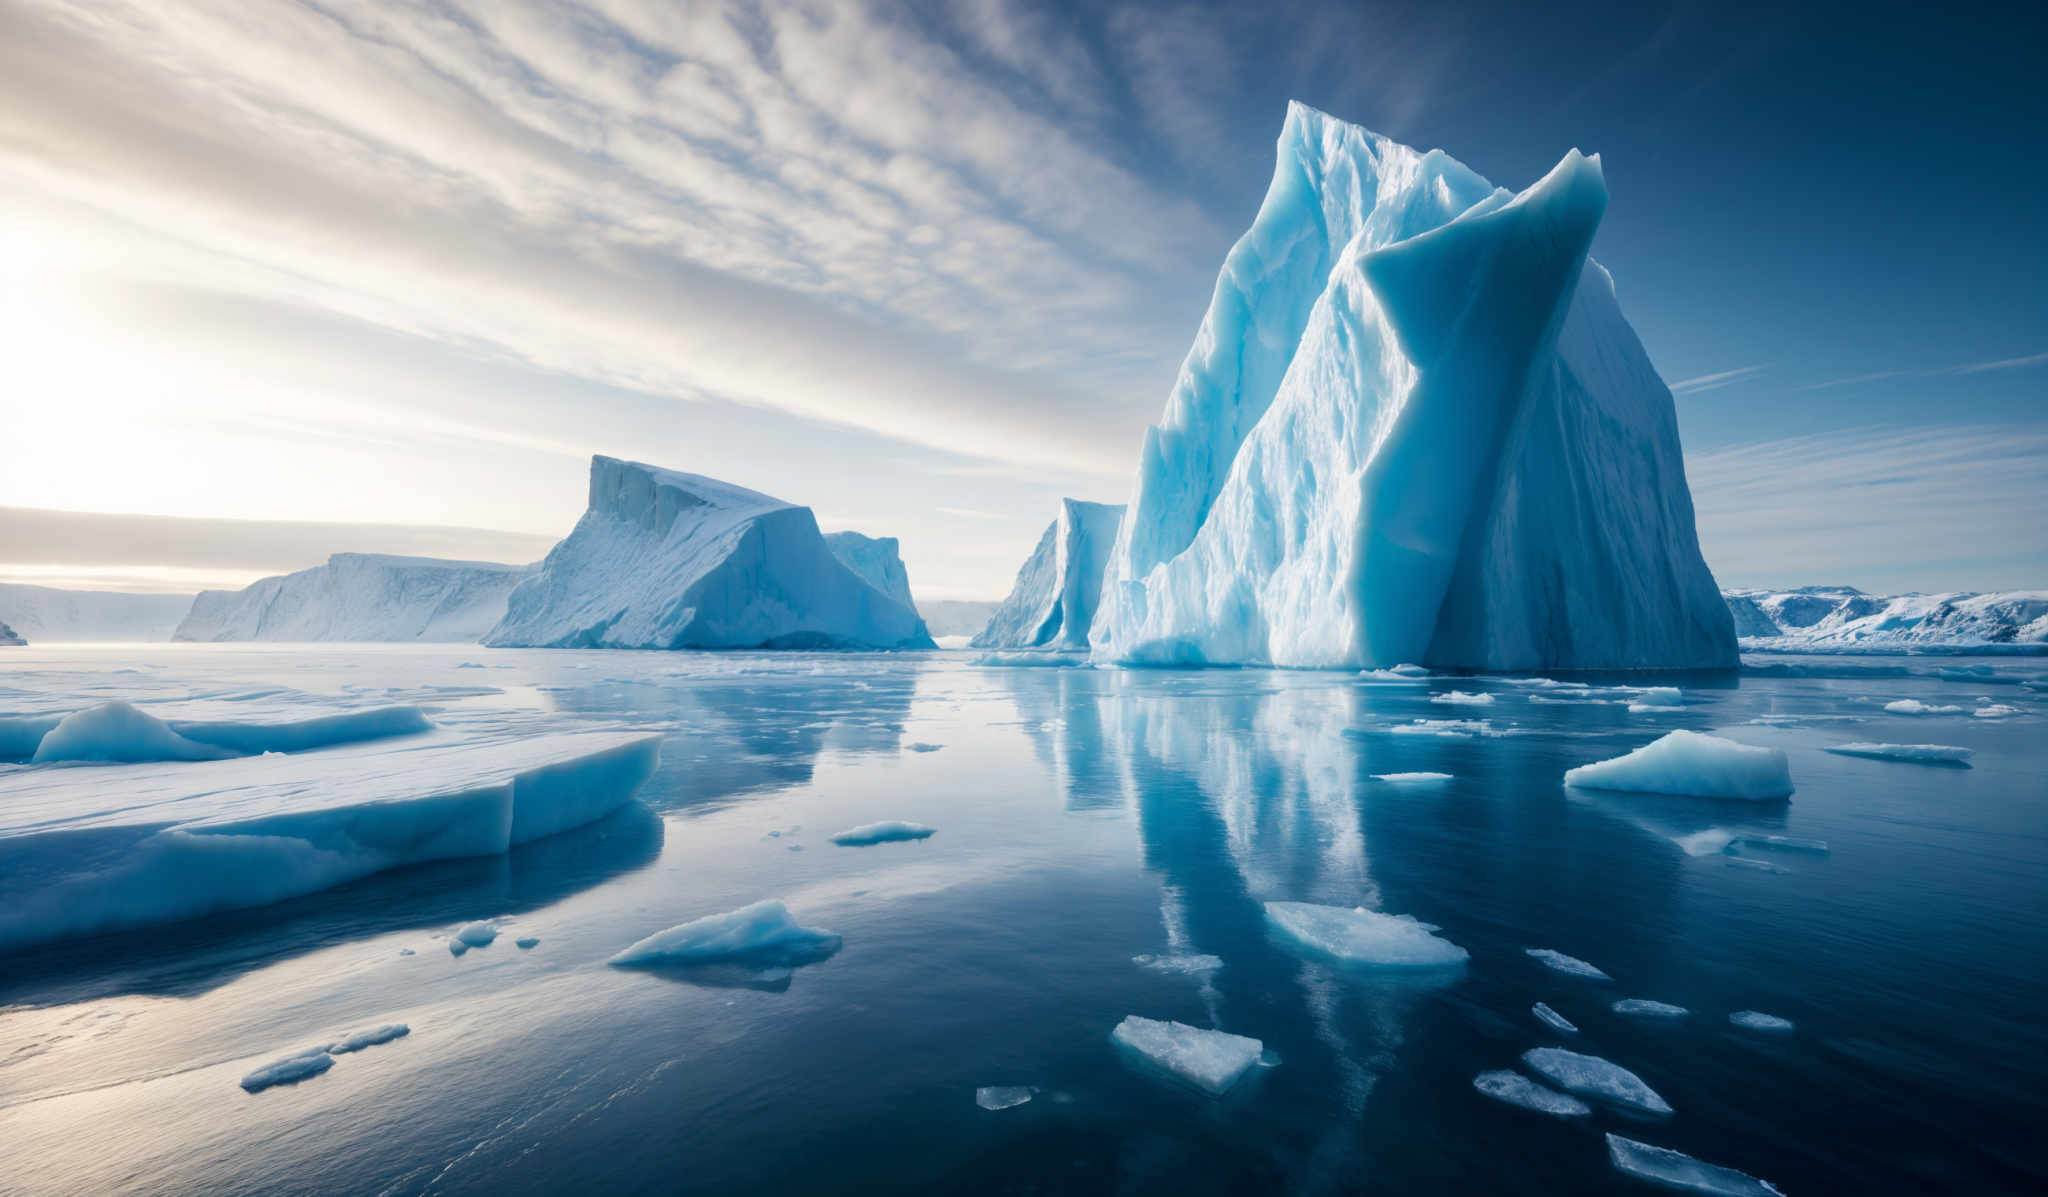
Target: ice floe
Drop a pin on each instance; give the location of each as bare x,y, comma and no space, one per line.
1410,779
1570,966
1996,710
1645,1008
289,1070
1211,1061
1518,1090
1684,762
358,1040
1003,1097
472,935
1924,754
1179,962
1552,1019
1460,698
763,933
1757,1020
1657,698
1591,1076
1677,1170
1365,937
1913,706
885,832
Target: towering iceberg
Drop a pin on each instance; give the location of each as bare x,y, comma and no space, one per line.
1053,601
669,560
359,597
1414,426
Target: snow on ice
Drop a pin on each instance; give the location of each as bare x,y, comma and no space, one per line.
1363,937
1518,1090
1591,1076
1676,1170
363,597
1211,1061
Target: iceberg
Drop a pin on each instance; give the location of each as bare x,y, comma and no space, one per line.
118,732
1211,1061
875,560
46,615
1518,1090
1364,937
886,832
1757,1020
1459,698
1552,1019
762,934
360,597
85,851
1845,620
1411,779
1645,1008
1052,604
1677,1170
667,560
1570,966
1684,762
1412,427
1913,706
358,1040
1591,1076
289,1070
1923,754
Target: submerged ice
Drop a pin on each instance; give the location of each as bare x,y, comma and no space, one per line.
1412,427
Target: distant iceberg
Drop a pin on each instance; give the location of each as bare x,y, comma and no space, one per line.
669,560
1844,619
1414,426
1052,604
360,597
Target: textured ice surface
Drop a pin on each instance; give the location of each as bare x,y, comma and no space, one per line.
356,1041
1913,706
1518,1090
1552,1019
289,1069
1361,936
887,831
1997,710
1412,423
1645,1008
1591,1076
1841,619
1757,1020
46,615
1409,779
1571,966
90,850
763,933
1052,603
1178,962
668,560
1211,1061
1002,1097
1925,754
1685,762
1676,1170
360,596
117,732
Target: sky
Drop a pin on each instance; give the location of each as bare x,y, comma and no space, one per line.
385,274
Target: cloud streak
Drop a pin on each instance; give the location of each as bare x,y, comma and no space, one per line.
2010,363
1714,382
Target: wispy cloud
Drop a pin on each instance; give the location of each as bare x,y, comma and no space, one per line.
2010,363
1713,382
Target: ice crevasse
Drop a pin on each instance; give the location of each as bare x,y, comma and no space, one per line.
1414,426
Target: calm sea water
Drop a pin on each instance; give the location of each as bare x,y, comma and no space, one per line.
1084,818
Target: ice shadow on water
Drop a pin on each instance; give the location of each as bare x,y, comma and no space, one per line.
192,957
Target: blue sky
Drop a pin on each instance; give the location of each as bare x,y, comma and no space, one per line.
929,267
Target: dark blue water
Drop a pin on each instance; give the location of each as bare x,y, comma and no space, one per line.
1084,818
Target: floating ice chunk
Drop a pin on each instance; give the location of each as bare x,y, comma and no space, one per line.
1443,727
525,942
289,1070
1388,675
1657,698
478,934
1645,1008
116,732
1913,706
763,932
358,1040
1459,698
1179,962
888,831
1684,762
1518,1090
1552,1019
1570,966
1996,710
1002,1097
1211,1061
1676,1170
1778,843
1407,670
1925,754
1591,1076
1410,779
1361,936
1757,1020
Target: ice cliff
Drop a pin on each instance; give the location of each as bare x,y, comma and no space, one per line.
1414,427
362,597
670,560
1053,601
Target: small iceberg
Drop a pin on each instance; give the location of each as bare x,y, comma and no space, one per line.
1920,754
1003,1097
1552,1019
1996,710
1211,1061
358,1040
1570,966
1913,706
1684,762
763,934
886,832
1518,1090
478,934
1757,1020
1361,936
1645,1008
1591,1076
290,1070
1411,779
1459,698
1677,1170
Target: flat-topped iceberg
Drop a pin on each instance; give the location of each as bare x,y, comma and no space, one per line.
1363,937
1920,754
764,933
1647,1008
670,560
1052,604
888,831
1685,762
1413,427
1211,1061
1570,966
1591,1076
1677,1170
360,597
